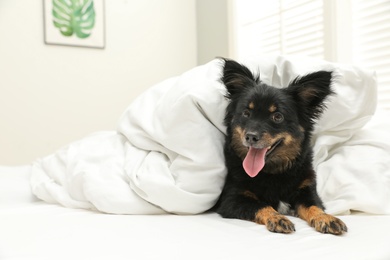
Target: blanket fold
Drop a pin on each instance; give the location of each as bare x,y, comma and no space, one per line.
166,156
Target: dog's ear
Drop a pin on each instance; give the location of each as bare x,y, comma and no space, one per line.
236,77
311,90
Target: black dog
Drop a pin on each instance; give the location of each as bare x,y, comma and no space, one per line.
268,153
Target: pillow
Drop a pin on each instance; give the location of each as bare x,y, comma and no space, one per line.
356,174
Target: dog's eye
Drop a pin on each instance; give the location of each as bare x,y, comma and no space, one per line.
246,113
277,117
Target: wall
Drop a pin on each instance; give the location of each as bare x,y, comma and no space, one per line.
52,95
213,29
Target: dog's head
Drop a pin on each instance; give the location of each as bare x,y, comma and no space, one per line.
269,127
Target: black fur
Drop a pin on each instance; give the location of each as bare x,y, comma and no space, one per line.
261,116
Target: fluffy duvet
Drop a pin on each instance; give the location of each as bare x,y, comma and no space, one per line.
167,152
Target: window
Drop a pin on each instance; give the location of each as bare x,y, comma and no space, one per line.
371,41
348,31
280,27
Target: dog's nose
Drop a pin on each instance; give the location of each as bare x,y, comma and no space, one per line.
252,138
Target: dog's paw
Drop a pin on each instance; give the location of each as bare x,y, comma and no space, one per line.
321,221
279,224
326,223
274,221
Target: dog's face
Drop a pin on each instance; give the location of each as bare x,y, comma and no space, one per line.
265,129
268,126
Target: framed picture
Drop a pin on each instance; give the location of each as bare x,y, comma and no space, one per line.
74,23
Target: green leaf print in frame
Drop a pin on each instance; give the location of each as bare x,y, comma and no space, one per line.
74,17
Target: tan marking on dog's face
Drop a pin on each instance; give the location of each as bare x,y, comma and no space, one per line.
301,129
237,142
251,105
288,140
272,108
284,154
266,140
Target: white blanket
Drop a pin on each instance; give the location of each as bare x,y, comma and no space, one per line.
167,152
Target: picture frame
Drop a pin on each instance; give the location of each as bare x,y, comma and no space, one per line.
74,23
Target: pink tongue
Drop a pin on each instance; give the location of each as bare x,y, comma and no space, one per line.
254,161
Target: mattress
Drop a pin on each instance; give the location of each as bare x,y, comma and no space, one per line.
32,229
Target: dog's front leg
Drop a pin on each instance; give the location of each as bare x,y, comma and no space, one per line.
245,205
273,220
309,207
321,221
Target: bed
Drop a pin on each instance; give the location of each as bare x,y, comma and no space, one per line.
139,193
32,229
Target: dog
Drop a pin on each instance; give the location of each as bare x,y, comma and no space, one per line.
268,153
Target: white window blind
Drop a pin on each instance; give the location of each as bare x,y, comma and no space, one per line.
348,31
280,27
371,41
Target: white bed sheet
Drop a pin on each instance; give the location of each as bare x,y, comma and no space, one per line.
31,229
